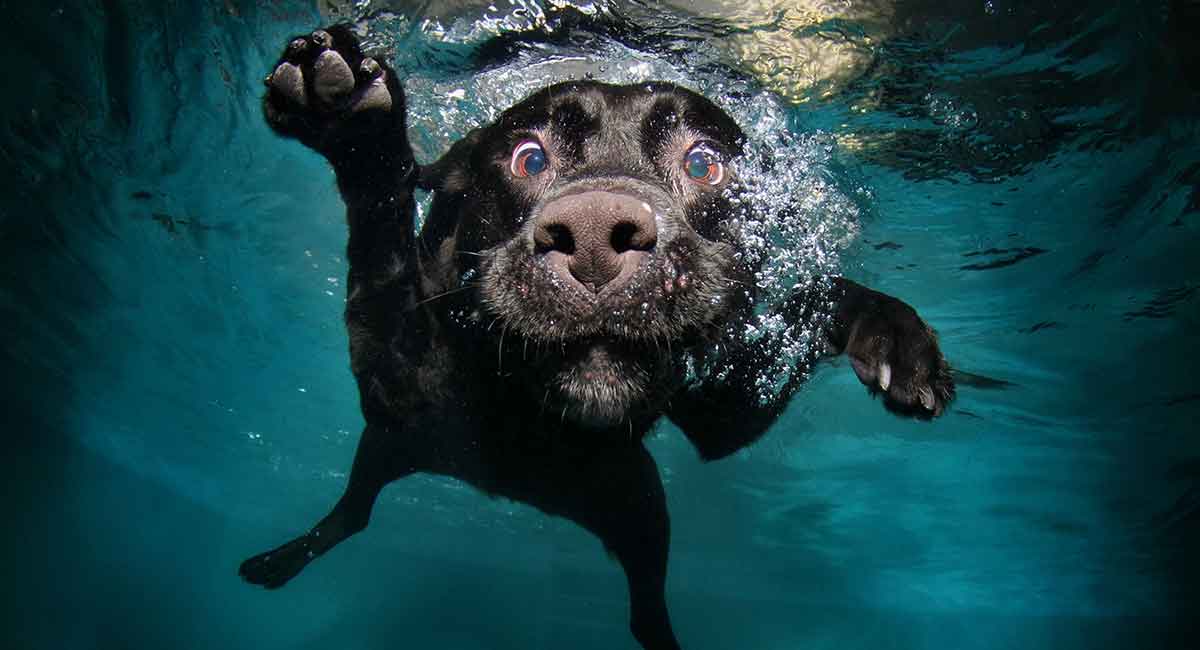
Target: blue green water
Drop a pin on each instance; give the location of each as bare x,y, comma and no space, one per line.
178,397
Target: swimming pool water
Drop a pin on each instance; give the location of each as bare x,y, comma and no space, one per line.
178,395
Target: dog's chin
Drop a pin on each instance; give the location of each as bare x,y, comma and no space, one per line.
601,383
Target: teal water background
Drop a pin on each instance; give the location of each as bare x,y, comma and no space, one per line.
178,394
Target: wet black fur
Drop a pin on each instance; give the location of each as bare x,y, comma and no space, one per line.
472,358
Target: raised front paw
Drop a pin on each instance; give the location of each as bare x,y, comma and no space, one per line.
327,94
896,353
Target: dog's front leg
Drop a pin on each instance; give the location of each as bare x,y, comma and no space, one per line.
379,460
327,93
619,497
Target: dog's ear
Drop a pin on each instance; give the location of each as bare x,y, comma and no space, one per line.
452,172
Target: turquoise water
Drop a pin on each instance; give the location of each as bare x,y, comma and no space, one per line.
178,394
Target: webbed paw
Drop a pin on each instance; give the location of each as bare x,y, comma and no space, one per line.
327,94
895,353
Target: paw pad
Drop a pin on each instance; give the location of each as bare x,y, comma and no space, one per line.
333,79
325,93
288,81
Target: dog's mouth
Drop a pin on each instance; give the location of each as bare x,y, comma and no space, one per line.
604,360
599,381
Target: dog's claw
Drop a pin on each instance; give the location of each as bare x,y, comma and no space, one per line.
927,398
895,353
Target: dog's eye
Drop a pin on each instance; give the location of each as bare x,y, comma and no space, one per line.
703,164
528,159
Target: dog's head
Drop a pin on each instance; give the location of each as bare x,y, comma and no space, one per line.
595,228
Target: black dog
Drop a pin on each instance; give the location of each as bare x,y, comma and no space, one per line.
578,278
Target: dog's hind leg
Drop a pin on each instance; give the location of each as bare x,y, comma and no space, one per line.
377,462
619,497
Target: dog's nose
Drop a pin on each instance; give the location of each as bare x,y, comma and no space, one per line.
596,236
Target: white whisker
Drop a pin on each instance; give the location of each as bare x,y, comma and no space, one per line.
500,351
447,293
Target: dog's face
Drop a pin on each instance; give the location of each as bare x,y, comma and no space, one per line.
598,225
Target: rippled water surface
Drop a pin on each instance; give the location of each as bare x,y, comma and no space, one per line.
178,394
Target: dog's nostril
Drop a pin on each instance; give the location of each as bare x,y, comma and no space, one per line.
629,236
554,237
595,236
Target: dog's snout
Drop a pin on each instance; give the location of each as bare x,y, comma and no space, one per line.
598,237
